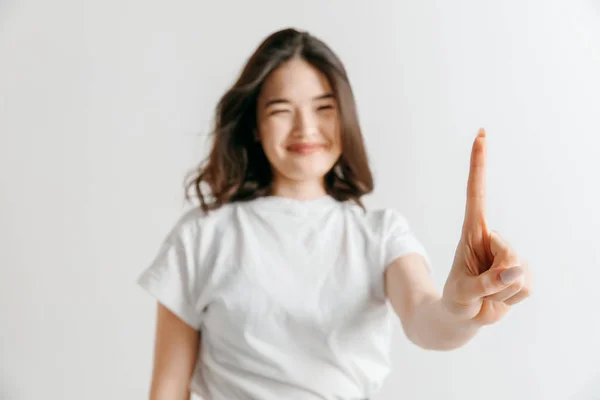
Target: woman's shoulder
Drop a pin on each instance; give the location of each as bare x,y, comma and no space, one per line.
194,220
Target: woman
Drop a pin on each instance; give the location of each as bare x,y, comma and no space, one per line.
277,286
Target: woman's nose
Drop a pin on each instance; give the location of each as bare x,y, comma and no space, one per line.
305,124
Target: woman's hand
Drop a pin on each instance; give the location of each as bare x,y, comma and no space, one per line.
487,275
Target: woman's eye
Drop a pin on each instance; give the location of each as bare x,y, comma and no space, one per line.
274,112
325,107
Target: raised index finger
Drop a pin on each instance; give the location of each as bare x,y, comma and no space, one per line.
475,210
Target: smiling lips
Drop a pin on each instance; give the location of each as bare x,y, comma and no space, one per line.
305,148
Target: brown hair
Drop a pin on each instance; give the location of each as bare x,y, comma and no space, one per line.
237,169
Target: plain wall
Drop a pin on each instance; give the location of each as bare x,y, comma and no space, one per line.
105,105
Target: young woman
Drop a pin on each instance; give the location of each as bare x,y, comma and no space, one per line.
277,286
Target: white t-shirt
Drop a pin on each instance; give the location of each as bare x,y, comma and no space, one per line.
288,294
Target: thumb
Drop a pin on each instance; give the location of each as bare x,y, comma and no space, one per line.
492,281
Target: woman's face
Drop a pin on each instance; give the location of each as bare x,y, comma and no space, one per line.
298,123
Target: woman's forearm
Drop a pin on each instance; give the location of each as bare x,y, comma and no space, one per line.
432,326
175,354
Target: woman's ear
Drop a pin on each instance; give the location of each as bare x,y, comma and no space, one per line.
256,136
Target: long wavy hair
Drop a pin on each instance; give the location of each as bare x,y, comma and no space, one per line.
237,169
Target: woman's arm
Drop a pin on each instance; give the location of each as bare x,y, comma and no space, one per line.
175,352
486,279
425,321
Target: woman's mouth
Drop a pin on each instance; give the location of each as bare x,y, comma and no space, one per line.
305,148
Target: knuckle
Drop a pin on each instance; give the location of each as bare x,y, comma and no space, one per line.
509,261
512,258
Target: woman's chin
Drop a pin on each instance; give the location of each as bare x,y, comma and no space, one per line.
307,174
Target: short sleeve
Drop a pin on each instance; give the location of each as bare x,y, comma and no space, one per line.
399,240
173,278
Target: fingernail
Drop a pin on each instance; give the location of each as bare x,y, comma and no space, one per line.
511,275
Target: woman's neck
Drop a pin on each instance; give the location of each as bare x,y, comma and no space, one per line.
300,190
